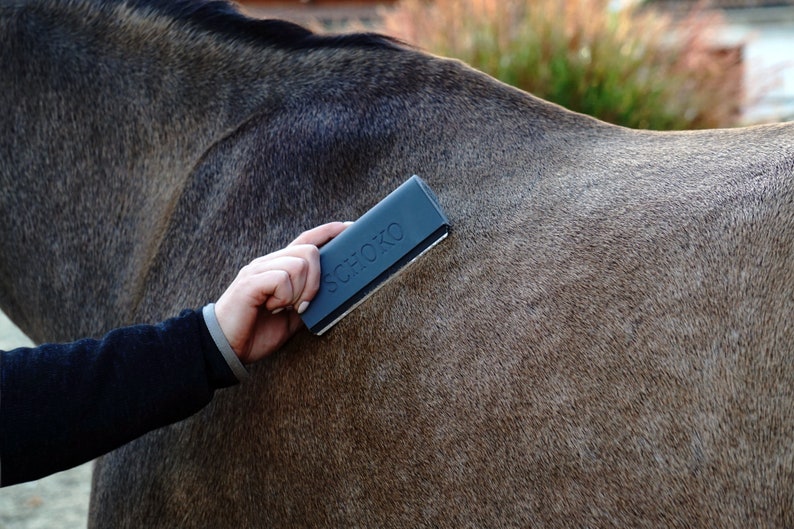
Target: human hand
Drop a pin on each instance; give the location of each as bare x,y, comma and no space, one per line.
255,313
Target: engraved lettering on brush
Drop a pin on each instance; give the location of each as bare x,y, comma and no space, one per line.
343,278
355,264
368,253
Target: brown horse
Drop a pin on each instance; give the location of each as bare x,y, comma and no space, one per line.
605,339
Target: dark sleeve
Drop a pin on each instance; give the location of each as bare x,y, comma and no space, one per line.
63,405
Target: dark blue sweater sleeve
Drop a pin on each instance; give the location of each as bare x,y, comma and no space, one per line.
63,405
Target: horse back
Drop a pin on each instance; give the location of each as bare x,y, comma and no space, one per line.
603,339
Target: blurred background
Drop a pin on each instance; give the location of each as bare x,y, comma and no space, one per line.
664,65
653,64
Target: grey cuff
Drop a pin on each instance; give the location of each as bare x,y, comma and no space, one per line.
222,343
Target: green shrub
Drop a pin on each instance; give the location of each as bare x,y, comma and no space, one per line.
632,66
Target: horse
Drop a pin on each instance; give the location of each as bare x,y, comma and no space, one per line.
604,339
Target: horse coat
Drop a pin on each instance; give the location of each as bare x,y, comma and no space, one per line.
605,338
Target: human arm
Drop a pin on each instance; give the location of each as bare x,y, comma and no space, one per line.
65,404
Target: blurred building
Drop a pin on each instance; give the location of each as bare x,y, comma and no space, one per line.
328,12
724,4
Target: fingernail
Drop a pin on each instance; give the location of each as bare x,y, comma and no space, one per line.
348,222
276,311
302,307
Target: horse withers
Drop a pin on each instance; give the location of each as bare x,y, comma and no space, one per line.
605,338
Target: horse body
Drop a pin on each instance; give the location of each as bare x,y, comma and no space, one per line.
604,339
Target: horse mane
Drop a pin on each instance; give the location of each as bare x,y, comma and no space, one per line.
224,19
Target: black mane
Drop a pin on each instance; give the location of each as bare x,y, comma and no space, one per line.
224,18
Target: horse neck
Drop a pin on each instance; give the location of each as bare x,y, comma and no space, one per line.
110,110
105,114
